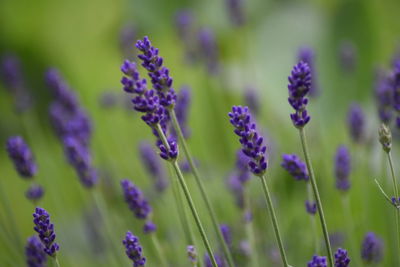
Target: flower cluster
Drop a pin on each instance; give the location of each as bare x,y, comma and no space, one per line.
137,203
341,258
22,157
134,250
45,230
251,141
299,86
317,261
159,74
306,54
342,168
356,123
372,248
73,127
34,252
153,166
296,168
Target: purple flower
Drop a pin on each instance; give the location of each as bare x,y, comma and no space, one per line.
251,141
236,11
45,230
317,261
226,233
356,123
182,110
299,86
218,259
306,54
192,254
296,168
311,207
341,258
208,49
372,248
34,193
170,153
79,157
347,56
153,166
22,157
342,168
134,250
159,74
34,252
384,96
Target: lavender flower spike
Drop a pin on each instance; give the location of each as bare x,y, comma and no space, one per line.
372,248
252,142
341,258
153,166
317,261
134,250
299,86
306,54
34,252
45,230
22,157
296,168
34,192
159,74
356,123
342,168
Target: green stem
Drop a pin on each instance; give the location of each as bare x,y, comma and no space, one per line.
313,219
188,198
203,192
249,225
383,192
272,214
159,250
396,194
56,263
316,195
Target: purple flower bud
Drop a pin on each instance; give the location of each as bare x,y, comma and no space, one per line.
356,123
209,49
299,86
317,261
22,157
170,153
226,233
296,168
134,250
251,141
34,252
34,193
341,258
153,166
311,207
372,248
342,168
192,254
307,55
135,199
45,230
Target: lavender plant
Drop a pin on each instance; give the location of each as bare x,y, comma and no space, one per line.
341,258
255,150
317,261
342,168
34,253
299,86
372,248
307,55
134,250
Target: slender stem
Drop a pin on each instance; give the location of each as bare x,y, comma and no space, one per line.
188,198
316,195
159,250
396,194
203,192
313,219
383,192
56,263
249,225
272,214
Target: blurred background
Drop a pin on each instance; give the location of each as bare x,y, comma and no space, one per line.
225,59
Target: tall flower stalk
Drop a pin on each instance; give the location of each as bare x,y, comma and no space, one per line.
255,150
162,84
299,86
153,103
